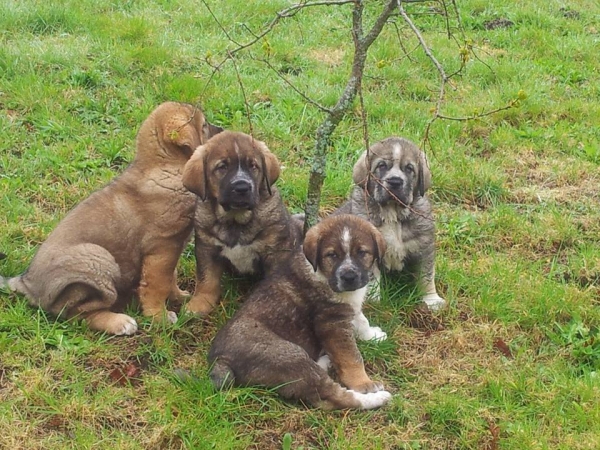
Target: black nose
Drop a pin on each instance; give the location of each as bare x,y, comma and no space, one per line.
349,277
395,182
241,186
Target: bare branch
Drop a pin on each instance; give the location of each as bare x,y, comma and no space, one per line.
514,102
290,84
328,126
239,78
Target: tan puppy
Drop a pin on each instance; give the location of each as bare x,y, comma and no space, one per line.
127,237
241,222
301,317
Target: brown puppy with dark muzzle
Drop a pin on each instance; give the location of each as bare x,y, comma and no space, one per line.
300,319
127,237
241,222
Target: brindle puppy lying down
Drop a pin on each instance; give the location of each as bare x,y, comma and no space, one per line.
125,238
241,222
301,316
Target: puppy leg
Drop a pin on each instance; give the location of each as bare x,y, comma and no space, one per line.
431,298
297,377
177,295
364,331
156,284
339,343
208,286
110,322
77,282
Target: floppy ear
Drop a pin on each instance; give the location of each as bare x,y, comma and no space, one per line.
270,165
194,173
361,170
380,245
310,246
181,133
424,174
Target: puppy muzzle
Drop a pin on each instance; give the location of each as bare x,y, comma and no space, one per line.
240,194
349,278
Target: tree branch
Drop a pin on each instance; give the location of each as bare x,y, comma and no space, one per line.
328,126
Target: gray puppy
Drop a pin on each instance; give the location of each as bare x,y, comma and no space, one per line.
391,183
300,318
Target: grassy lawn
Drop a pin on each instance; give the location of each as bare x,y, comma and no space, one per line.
514,363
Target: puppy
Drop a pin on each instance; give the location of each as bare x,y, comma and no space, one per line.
241,222
127,237
300,317
392,179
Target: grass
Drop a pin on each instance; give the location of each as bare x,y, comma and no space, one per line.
512,364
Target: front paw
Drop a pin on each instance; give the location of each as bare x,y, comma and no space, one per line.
374,334
200,305
367,387
163,316
434,302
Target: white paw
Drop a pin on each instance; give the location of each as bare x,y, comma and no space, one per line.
125,325
372,333
171,316
372,400
324,362
434,302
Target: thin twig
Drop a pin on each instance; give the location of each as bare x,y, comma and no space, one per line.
440,69
239,78
290,84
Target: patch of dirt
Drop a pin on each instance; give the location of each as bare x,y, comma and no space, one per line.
332,57
453,355
498,23
424,320
570,13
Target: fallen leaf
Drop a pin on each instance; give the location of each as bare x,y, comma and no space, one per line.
495,432
126,374
502,347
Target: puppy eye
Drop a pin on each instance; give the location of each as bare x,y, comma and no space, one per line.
332,255
221,166
253,165
362,253
409,168
381,165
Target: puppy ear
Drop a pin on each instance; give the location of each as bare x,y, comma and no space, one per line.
424,175
361,170
310,246
270,165
380,245
209,130
194,173
181,133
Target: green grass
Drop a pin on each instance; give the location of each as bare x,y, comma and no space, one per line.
512,364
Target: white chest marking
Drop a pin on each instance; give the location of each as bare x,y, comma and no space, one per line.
352,298
397,247
242,257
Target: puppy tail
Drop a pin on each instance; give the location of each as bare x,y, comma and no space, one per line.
221,375
12,285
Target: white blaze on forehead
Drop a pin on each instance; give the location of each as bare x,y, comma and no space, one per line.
239,158
397,152
346,240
